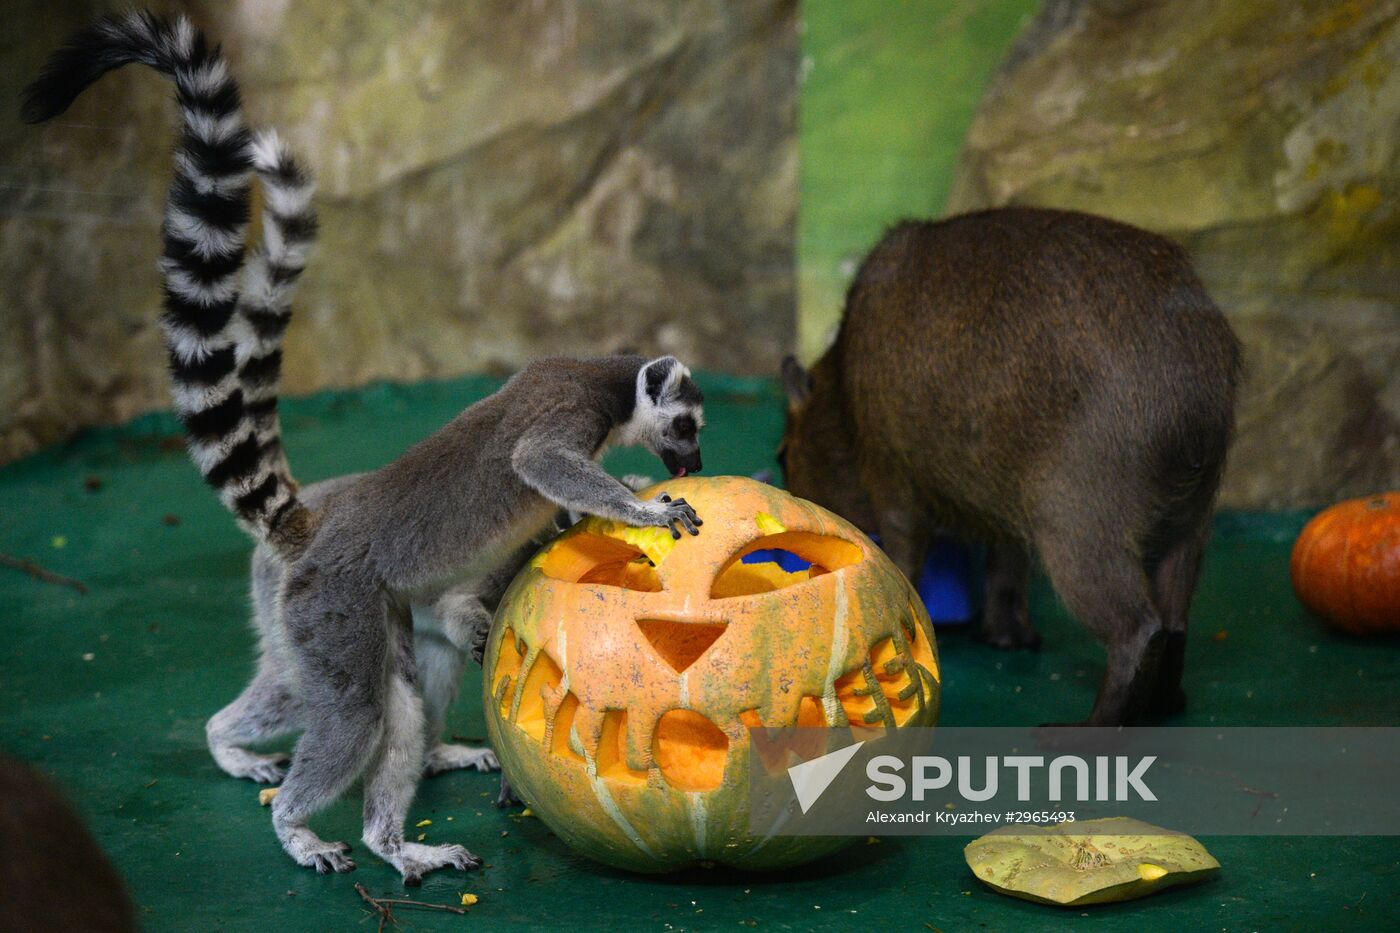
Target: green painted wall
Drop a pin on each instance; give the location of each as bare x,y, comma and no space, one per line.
888,90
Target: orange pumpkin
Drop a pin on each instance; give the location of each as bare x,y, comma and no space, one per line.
625,669
1346,565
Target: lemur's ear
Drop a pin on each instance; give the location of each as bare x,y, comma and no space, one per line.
797,383
660,377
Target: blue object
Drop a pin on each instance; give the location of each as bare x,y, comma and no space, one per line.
950,583
946,584
787,560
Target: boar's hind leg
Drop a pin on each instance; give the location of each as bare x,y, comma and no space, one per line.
1174,583
1100,577
904,536
1006,623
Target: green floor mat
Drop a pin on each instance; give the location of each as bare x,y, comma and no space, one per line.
109,692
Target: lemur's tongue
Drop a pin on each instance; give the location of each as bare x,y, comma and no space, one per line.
680,472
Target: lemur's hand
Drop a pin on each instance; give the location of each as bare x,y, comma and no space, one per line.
674,514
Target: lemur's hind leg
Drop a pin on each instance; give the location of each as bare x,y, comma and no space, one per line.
441,637
267,709
338,631
392,778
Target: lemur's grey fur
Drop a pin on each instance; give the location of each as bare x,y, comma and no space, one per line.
364,630
367,589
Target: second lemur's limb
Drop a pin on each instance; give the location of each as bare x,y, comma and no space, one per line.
442,635
269,707
458,623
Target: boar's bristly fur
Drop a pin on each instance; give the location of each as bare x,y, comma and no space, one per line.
1046,381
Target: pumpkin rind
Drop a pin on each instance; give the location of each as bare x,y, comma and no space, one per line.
1346,565
638,785
1088,862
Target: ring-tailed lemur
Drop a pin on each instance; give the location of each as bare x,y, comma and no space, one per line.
367,588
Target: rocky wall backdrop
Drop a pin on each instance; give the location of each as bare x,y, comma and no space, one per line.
500,179
1264,135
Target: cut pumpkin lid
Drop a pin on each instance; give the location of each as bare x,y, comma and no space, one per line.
1087,862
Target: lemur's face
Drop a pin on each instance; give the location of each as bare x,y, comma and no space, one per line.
680,442
669,414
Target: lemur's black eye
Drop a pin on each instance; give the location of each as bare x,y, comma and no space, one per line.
683,427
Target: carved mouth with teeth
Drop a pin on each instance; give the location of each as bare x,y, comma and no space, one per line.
627,667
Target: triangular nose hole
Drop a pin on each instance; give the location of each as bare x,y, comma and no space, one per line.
680,644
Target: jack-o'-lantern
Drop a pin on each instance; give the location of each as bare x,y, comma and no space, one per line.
625,669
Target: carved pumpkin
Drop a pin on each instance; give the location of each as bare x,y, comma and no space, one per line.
625,668
1346,565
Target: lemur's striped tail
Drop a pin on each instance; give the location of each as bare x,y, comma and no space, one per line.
269,278
225,355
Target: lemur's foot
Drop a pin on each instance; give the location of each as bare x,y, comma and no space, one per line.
241,763
308,849
445,757
506,797
415,860
325,857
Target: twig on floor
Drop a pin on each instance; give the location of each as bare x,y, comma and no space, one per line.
384,906
399,902
385,914
25,565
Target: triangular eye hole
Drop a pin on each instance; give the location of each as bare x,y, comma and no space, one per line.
776,561
602,561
